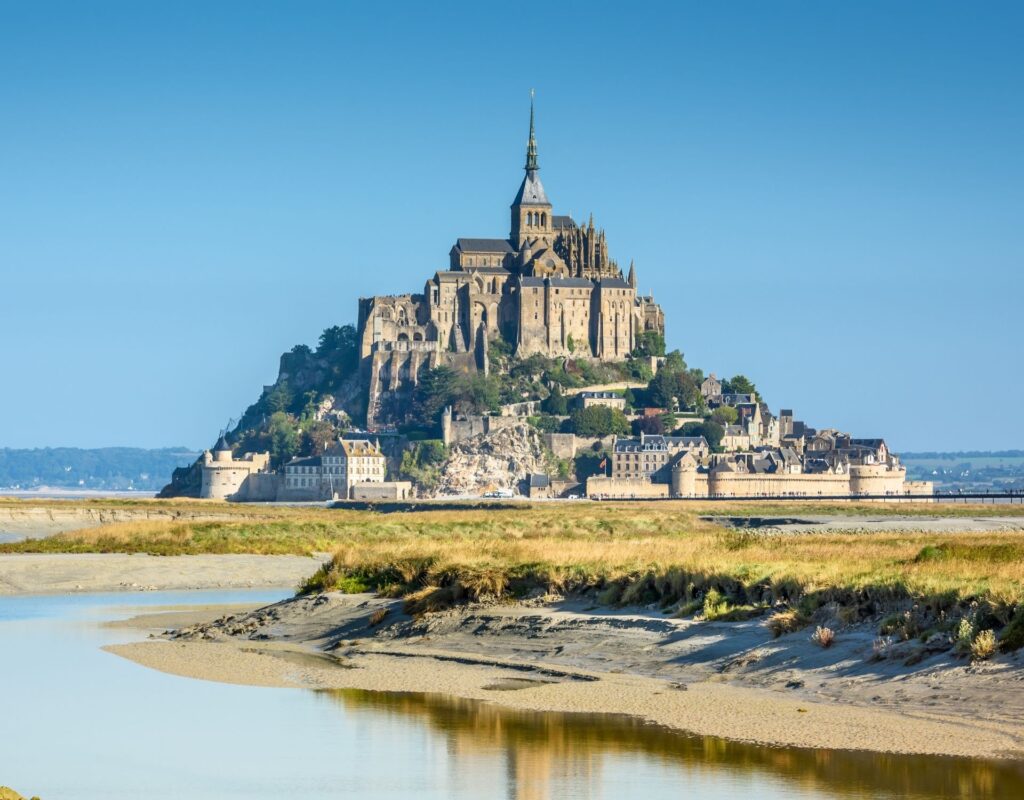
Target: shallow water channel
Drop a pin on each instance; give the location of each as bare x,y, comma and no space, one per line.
77,722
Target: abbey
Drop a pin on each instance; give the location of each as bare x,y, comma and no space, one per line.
550,288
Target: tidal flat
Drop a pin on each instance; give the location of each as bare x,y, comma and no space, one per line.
81,723
658,612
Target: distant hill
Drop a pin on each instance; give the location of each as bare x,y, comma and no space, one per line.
968,470
105,468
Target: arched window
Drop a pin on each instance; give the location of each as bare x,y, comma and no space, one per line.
543,218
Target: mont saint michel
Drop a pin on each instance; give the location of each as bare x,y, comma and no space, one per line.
550,288
533,367
375,426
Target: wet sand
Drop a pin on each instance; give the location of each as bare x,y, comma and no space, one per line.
51,573
730,680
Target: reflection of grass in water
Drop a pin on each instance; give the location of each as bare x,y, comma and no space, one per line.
7,793
536,741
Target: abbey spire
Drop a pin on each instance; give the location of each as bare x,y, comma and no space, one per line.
531,146
531,211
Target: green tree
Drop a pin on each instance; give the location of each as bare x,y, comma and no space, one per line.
479,394
421,463
675,362
436,389
279,398
284,436
649,343
599,421
339,349
671,384
738,384
499,351
317,436
725,415
555,403
648,425
546,424
709,429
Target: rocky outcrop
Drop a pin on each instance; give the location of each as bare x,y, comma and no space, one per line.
185,481
503,459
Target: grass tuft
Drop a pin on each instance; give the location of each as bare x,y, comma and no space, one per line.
823,637
787,621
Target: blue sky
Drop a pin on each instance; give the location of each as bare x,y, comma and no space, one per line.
827,197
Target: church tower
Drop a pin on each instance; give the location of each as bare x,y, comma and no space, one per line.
531,211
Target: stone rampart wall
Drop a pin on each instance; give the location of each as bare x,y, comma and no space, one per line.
733,484
386,490
602,486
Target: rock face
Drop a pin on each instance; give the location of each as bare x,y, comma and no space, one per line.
500,460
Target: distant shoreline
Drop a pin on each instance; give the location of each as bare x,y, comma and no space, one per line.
58,493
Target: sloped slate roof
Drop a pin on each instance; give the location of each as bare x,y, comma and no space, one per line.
696,441
484,245
614,283
314,461
581,282
531,192
562,221
222,445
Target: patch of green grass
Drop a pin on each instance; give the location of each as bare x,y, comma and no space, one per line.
1012,638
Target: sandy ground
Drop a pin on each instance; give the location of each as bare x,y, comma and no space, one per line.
52,573
26,521
729,680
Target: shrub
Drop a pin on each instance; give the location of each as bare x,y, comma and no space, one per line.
1013,635
983,646
906,625
823,637
599,421
688,609
787,622
377,617
545,423
555,403
714,604
964,637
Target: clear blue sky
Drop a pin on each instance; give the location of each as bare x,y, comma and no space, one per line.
827,197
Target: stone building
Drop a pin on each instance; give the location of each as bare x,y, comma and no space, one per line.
648,456
833,465
609,399
550,288
349,469
224,477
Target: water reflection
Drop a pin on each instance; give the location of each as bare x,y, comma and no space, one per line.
543,751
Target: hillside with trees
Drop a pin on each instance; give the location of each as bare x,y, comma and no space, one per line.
318,396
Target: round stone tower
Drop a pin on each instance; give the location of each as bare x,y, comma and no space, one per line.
683,482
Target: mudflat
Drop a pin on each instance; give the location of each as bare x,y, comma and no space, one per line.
49,573
726,679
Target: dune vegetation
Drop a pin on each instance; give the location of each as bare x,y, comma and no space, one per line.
667,554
